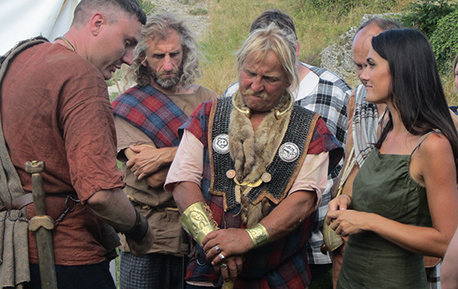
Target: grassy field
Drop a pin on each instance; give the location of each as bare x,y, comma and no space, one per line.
317,26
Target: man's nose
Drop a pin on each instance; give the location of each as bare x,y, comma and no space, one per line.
168,66
257,84
128,57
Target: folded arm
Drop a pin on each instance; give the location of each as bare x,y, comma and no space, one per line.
150,163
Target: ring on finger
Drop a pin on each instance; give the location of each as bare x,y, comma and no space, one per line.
217,249
223,266
221,256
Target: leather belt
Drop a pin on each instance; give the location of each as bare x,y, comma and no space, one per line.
18,203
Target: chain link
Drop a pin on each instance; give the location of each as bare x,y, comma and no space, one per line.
69,208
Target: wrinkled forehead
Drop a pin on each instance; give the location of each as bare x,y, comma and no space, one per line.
169,35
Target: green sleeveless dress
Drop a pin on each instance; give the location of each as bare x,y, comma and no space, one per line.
385,187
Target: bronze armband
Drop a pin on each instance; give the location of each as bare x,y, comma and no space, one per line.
258,235
197,221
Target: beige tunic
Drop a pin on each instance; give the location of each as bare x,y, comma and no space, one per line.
157,204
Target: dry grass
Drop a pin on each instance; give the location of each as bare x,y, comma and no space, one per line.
316,28
450,90
230,24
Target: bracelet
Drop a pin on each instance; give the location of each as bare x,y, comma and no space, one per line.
197,221
258,235
140,228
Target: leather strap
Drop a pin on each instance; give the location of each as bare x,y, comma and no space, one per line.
18,203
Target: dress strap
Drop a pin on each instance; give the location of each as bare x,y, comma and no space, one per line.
424,137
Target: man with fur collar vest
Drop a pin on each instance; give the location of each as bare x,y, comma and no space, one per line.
250,171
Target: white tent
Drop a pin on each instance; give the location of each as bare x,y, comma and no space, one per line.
23,19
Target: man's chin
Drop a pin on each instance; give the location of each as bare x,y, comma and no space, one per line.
166,84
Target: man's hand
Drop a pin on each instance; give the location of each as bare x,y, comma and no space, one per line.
231,242
145,160
230,268
142,246
113,207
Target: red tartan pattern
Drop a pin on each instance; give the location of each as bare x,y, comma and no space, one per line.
152,112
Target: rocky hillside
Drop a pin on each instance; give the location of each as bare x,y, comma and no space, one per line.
195,11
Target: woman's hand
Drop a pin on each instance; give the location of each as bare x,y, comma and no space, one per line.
350,222
342,202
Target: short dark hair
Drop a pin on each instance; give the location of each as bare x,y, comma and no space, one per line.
415,88
382,23
86,7
282,20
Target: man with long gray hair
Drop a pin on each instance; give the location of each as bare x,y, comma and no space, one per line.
147,117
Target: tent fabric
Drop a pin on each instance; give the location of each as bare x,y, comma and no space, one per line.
23,19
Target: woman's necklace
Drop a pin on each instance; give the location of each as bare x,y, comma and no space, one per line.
67,42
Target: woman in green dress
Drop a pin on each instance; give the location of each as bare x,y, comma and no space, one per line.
404,201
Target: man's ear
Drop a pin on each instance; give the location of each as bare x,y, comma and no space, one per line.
97,22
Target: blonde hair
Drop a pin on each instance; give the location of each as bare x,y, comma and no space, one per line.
272,38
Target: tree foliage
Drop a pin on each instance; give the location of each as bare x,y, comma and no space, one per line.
425,14
438,20
444,40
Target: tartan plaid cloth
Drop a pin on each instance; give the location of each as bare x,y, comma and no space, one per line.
433,277
150,271
329,98
280,264
152,112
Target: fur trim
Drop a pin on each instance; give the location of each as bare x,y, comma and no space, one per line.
253,151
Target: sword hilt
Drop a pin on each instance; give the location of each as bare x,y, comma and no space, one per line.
35,168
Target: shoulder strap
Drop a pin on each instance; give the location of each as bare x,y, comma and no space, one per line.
12,188
21,46
424,137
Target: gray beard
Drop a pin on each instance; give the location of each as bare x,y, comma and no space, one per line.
166,83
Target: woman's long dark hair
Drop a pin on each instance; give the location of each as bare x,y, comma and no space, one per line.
415,89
